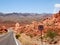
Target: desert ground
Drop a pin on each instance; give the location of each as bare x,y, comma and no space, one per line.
44,30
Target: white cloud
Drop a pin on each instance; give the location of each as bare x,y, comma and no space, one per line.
57,5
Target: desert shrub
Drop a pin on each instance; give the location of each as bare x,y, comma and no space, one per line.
1,32
51,35
17,36
31,35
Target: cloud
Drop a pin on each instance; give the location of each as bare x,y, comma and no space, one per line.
57,5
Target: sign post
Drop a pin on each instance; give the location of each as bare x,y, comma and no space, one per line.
40,27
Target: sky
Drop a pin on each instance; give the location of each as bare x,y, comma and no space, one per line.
29,6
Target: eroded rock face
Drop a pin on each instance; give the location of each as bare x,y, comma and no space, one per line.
52,23
3,29
57,15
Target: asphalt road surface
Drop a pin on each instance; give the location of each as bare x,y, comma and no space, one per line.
8,39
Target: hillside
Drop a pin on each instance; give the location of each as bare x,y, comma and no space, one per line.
50,33
49,23
53,23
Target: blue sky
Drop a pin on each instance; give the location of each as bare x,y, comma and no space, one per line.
28,6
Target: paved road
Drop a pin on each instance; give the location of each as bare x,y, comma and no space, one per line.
8,39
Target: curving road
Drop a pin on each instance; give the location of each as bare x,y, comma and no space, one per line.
9,39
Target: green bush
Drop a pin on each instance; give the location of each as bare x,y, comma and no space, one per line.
17,36
51,34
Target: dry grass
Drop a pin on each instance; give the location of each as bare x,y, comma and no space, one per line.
27,40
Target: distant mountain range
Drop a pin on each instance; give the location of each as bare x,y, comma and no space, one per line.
22,17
